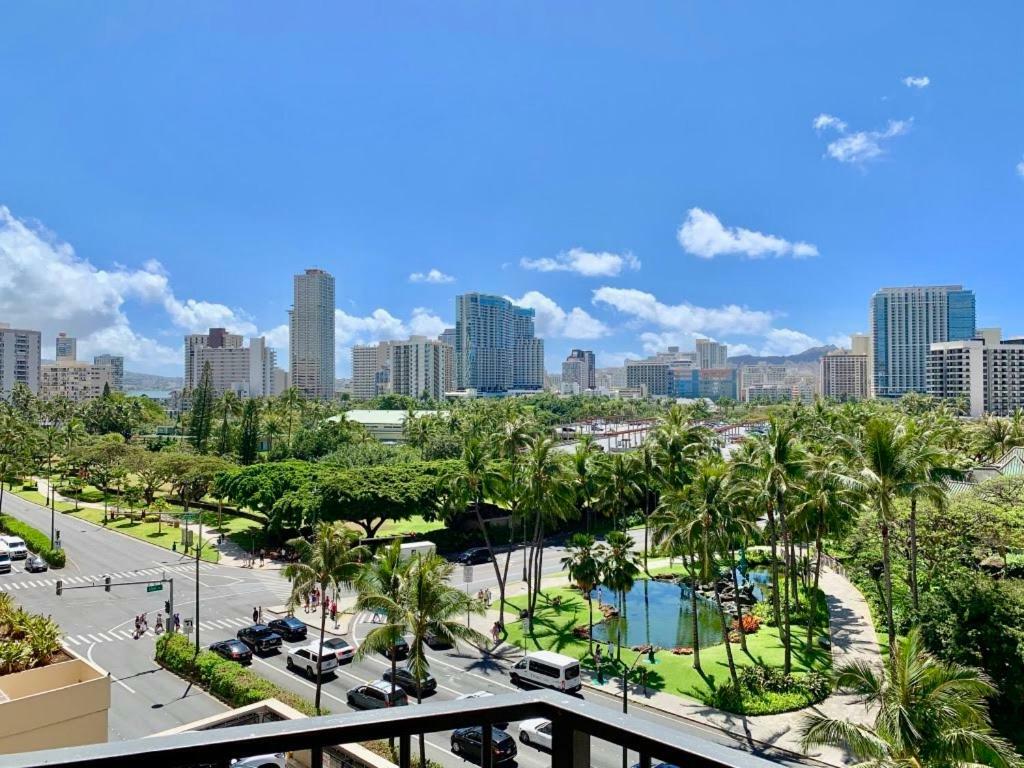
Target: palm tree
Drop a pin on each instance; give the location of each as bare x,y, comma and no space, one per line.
775,463
288,402
228,407
584,569
995,436
427,607
929,713
620,568
619,484
583,459
331,560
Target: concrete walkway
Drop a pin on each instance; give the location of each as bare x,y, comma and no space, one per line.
853,639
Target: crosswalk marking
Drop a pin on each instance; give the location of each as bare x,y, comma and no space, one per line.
120,635
143,573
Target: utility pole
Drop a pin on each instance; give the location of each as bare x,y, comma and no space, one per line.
199,549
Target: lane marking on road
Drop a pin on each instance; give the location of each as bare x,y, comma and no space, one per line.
69,637
95,639
116,680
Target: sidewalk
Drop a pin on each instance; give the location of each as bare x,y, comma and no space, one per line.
312,620
853,639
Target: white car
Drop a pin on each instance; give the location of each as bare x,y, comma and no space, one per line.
536,733
305,660
261,761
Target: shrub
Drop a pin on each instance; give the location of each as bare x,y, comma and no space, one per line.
229,681
765,690
750,624
35,540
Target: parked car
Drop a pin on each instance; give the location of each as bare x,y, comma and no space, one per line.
233,650
36,564
433,641
343,649
467,744
474,556
288,628
260,638
261,761
536,732
376,695
406,680
5,559
15,547
307,658
399,651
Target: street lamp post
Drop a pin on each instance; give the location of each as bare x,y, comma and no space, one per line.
625,691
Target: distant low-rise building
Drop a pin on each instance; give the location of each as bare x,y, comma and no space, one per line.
844,375
984,374
78,382
578,369
116,365
386,426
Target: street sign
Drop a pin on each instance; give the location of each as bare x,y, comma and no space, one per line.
189,517
467,574
154,587
188,626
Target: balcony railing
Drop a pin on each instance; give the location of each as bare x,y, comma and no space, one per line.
574,722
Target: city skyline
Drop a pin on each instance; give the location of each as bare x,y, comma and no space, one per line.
509,171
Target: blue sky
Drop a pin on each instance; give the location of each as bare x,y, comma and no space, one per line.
639,173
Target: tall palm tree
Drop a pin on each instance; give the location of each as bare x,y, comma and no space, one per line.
994,437
929,713
228,407
427,606
776,462
584,569
549,493
891,462
333,559
829,505
583,462
511,439
620,568
619,484
288,402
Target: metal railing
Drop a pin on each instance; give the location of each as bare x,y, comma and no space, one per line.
574,722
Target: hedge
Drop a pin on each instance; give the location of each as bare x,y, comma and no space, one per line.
229,681
35,540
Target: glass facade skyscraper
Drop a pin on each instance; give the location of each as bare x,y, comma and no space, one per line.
495,346
904,324
311,335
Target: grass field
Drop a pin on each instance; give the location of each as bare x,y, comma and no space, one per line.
37,498
415,524
552,630
162,535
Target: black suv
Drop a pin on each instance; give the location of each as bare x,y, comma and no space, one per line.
260,638
474,556
376,695
466,743
289,628
406,680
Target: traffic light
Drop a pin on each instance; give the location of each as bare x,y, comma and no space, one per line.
60,587
106,583
167,607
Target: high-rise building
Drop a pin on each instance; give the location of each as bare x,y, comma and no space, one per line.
711,354
116,365
66,348
905,322
420,367
495,346
246,371
20,359
579,370
984,374
311,335
447,337
76,381
756,378
653,377
844,375
370,370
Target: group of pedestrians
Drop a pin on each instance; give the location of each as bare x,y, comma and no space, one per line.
142,624
314,599
484,596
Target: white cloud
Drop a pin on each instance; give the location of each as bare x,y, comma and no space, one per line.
785,341
554,322
858,147
684,318
703,235
605,359
425,323
1020,169
431,276
582,262
922,81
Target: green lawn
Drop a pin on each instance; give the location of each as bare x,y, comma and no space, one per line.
415,524
162,535
552,630
37,498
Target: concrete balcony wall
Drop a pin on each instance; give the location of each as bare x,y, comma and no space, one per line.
60,705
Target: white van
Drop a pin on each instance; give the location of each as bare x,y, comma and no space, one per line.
412,549
5,559
15,547
549,670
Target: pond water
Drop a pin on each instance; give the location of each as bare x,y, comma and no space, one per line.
658,612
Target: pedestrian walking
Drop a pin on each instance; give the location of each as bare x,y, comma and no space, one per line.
259,615
610,650
262,553
487,596
177,622
495,631
255,615
138,627
159,624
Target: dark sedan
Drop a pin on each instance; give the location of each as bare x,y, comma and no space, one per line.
474,556
233,650
399,651
260,638
406,680
289,628
36,564
467,743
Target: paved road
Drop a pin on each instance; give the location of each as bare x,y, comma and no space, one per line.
147,699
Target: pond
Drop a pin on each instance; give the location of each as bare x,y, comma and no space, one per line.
658,612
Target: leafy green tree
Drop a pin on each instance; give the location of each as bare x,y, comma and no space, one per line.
191,476
332,560
228,407
928,713
249,437
200,421
619,478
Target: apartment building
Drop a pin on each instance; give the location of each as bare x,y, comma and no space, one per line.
311,334
496,349
711,354
985,375
116,365
420,367
246,371
844,375
77,381
20,359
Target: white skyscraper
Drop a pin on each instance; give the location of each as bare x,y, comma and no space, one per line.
420,367
116,365
66,348
711,354
246,371
20,359
370,370
311,335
